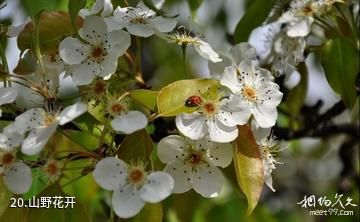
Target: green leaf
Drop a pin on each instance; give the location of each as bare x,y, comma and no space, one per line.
84,139
248,167
74,7
171,99
340,60
136,146
5,196
91,125
296,97
145,97
13,214
254,16
150,213
49,37
194,5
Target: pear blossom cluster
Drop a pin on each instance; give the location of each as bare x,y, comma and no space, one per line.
285,40
195,153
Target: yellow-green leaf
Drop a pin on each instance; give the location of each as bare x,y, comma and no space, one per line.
340,60
248,167
49,37
145,97
136,146
5,196
171,99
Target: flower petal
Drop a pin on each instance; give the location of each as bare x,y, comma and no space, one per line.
7,95
204,49
220,154
235,111
157,187
163,24
243,51
28,120
268,181
18,178
171,148
141,30
207,181
103,6
73,51
130,122
191,125
110,173
230,79
84,73
217,69
126,203
9,141
300,28
180,172
220,133
94,29
265,115
37,139
72,112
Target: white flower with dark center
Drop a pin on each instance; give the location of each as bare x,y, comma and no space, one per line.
140,21
256,92
16,175
125,120
300,17
184,37
288,52
217,118
237,54
97,56
7,95
194,164
42,124
132,185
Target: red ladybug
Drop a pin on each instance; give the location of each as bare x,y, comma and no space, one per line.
193,101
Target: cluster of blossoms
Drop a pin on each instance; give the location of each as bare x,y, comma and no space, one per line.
247,95
283,41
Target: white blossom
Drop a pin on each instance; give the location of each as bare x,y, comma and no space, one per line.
255,90
288,52
98,56
237,54
299,17
16,174
217,118
194,164
140,21
42,124
132,185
